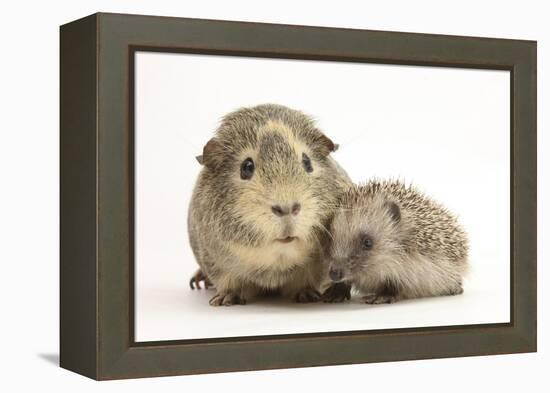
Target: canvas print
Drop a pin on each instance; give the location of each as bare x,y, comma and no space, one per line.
277,197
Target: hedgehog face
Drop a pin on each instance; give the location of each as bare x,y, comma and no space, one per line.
364,235
272,177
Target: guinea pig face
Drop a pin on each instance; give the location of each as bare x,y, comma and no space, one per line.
277,184
363,236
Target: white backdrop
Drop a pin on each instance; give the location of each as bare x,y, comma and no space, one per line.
444,129
29,199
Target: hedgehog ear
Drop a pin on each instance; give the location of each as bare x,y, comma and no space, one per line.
394,210
327,144
211,153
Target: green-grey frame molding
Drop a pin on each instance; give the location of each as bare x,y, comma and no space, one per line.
96,267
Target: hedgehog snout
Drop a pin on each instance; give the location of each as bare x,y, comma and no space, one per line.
338,270
336,274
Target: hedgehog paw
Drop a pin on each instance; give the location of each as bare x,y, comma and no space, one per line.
456,291
337,293
373,298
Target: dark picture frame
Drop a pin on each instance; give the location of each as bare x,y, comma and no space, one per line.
96,142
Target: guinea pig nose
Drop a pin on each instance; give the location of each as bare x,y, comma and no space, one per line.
336,274
296,208
279,210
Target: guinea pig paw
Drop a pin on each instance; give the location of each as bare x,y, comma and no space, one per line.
373,298
336,293
195,281
307,296
227,299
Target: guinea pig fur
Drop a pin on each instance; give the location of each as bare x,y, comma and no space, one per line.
261,206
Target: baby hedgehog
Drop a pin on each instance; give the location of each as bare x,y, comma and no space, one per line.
391,242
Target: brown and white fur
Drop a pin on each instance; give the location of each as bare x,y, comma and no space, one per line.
261,206
391,242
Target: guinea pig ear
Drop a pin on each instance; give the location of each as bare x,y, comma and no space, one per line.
394,210
327,145
211,153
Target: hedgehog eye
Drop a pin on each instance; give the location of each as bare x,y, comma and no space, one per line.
306,162
366,243
247,169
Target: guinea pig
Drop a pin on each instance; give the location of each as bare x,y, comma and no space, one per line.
261,205
391,242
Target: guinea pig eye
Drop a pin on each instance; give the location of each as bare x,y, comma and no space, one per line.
247,169
306,162
366,243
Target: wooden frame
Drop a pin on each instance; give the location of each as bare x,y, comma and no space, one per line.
97,338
